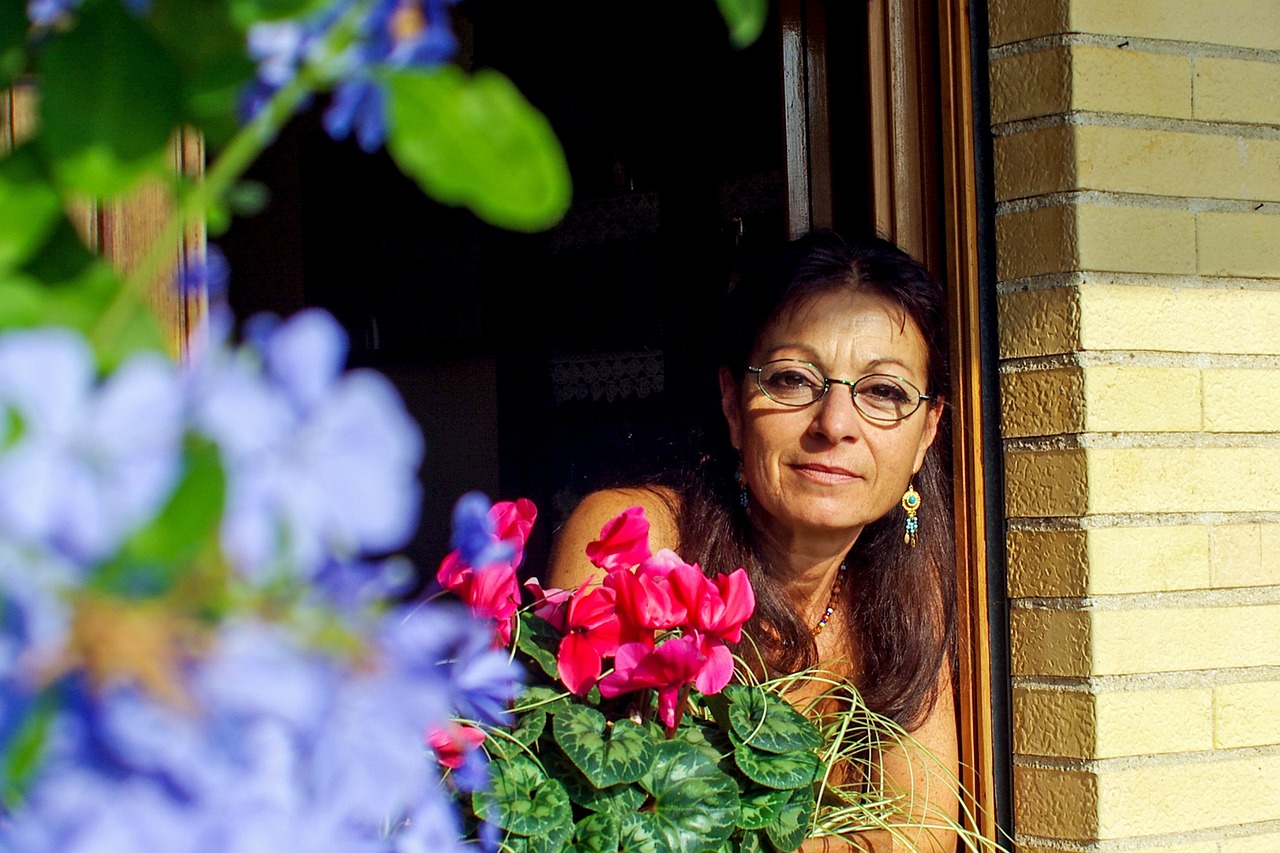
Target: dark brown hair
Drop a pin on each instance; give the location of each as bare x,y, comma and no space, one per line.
899,601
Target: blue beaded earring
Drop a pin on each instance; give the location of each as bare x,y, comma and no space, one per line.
911,503
741,479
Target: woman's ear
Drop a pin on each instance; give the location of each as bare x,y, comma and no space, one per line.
731,405
932,416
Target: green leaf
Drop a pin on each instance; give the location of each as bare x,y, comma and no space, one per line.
209,49
621,755
640,834
25,748
249,12
767,721
695,803
540,696
524,801
778,770
760,806
749,843
14,25
110,100
792,825
63,256
539,641
530,727
745,19
475,141
617,800
159,554
597,833
29,207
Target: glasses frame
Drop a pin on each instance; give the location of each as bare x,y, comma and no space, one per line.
828,381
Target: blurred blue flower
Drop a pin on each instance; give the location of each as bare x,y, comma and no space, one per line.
473,533
44,13
285,748
83,463
320,463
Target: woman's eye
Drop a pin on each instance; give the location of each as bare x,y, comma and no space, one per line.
887,392
792,379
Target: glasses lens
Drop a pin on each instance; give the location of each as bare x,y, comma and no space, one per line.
794,383
885,398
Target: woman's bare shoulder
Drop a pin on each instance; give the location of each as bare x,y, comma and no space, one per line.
569,565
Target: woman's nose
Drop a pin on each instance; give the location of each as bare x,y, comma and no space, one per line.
837,417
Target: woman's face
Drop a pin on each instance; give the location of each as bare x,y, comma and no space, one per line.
826,469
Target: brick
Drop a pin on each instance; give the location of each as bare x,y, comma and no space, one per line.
1238,244
1173,479
1055,803
1237,90
1246,714
1126,560
1050,642
1035,162
1042,402
1120,238
1058,723
1107,561
1187,798
1241,400
1031,84
1045,483
1169,163
1267,843
1049,563
1143,399
1174,639
1152,722
1241,23
1016,20
1164,319
1135,239
1235,556
1038,322
1035,242
1119,80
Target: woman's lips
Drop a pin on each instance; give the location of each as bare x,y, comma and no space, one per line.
824,473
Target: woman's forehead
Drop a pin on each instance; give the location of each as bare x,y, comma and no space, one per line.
843,315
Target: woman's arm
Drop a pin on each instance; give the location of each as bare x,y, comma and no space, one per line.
926,772
569,565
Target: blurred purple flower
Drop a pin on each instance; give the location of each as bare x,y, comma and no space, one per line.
320,463
473,533
83,463
44,13
289,750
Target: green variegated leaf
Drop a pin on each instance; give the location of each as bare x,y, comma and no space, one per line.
606,755
767,721
522,800
748,843
760,806
598,833
707,738
640,834
792,824
531,726
695,803
617,800
778,770
539,641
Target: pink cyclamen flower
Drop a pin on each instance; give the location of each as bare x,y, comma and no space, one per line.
668,669
591,635
512,522
717,609
490,592
452,743
549,604
623,542
646,602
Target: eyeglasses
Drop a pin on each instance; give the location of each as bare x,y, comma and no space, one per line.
878,396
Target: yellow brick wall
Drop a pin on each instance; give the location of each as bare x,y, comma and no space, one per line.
1137,164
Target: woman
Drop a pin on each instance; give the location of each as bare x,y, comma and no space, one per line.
832,386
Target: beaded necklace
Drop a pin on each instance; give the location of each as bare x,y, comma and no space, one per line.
831,602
